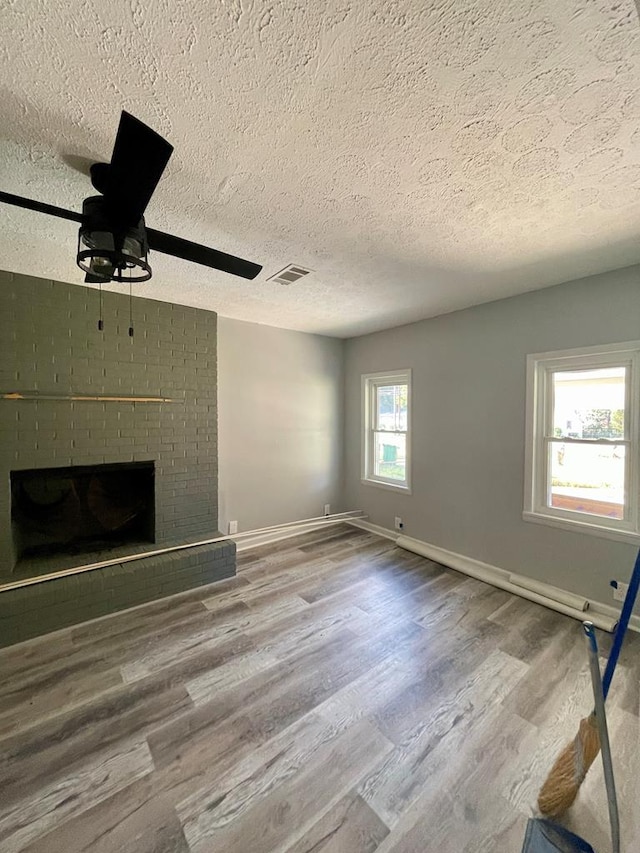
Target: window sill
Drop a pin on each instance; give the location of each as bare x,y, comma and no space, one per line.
390,486
582,527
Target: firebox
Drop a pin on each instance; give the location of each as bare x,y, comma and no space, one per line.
82,509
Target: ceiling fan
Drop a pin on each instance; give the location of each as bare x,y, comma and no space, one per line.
113,241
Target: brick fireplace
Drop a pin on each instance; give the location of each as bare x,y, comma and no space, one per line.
80,408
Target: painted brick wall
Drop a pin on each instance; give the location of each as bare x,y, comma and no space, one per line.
31,611
50,345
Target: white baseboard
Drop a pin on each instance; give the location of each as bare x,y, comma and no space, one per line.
287,531
602,615
374,528
277,535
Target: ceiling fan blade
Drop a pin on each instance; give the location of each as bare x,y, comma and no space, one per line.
137,163
40,207
188,251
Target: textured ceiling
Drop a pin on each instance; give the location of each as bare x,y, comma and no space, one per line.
419,156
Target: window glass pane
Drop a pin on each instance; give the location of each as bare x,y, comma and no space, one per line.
390,456
391,407
589,403
587,478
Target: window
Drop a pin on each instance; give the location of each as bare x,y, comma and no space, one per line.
582,461
386,402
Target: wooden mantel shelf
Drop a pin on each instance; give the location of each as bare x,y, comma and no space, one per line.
95,398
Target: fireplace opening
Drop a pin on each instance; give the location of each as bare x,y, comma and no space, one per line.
82,509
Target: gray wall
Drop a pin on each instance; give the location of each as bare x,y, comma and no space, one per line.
280,424
469,424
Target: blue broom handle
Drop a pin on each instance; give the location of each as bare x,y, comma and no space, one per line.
621,629
603,731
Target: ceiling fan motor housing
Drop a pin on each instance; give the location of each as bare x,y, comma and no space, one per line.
109,250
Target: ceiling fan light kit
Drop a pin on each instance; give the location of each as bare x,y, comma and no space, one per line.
111,250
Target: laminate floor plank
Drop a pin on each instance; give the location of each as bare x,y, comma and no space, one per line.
220,625
340,695
269,574
171,628
270,654
269,584
461,808
327,536
532,629
564,711
336,582
446,666
263,770
89,665
557,663
45,697
166,615
433,593
350,825
18,661
61,744
136,819
65,797
282,694
271,822
454,720
344,540
371,693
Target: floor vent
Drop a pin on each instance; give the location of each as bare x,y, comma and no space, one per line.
289,275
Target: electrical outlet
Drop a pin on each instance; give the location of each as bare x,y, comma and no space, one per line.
233,527
327,509
398,523
620,590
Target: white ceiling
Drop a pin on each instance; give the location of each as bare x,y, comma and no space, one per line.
419,156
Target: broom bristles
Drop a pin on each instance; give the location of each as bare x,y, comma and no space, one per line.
571,766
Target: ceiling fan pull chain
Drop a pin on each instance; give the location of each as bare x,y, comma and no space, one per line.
100,321
130,307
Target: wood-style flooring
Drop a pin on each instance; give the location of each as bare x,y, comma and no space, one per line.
340,694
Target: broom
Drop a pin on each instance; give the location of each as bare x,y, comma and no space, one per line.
571,766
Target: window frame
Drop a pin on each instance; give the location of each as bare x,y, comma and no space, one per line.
539,409
370,381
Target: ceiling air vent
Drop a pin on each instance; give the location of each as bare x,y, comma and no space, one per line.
289,275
